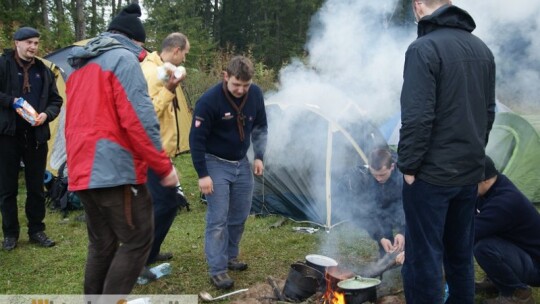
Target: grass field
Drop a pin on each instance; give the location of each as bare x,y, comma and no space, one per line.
269,251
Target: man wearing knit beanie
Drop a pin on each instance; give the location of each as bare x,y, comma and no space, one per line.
507,239
112,138
128,23
25,78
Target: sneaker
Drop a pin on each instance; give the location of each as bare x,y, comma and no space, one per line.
236,265
9,243
486,286
520,296
222,281
164,256
42,239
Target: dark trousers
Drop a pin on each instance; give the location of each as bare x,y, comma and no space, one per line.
507,265
165,210
116,252
439,233
13,149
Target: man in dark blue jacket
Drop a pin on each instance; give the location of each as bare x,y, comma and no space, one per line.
227,118
386,222
447,110
23,75
507,238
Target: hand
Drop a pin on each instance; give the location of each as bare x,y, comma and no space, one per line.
206,185
409,179
40,119
399,242
400,259
387,245
171,180
258,167
173,82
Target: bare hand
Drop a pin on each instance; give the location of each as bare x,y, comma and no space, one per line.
258,167
409,179
171,180
399,242
400,259
206,185
173,82
40,119
387,245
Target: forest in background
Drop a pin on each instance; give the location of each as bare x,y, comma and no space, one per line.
271,31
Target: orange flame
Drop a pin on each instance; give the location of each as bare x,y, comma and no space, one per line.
332,296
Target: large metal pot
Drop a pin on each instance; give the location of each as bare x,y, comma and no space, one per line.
358,290
302,282
320,262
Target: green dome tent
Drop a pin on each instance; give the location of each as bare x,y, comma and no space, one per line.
314,163
514,146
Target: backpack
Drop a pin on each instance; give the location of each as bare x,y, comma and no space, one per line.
58,197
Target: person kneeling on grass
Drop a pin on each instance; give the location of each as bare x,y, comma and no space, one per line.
507,239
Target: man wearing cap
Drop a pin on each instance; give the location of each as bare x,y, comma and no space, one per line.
112,137
24,76
507,239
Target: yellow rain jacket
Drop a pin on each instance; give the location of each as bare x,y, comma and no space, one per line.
174,123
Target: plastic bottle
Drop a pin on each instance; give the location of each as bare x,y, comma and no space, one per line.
159,270
446,292
25,110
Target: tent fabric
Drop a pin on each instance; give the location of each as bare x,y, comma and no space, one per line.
57,61
57,133
514,146
311,163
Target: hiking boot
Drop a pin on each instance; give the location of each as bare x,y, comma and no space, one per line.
9,243
486,286
42,239
222,281
236,265
520,296
164,256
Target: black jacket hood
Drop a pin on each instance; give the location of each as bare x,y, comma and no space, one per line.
446,16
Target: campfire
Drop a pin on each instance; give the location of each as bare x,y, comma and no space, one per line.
333,276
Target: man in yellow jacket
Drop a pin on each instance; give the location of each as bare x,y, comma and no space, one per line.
164,74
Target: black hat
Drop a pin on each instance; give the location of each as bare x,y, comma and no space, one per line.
128,22
489,169
25,33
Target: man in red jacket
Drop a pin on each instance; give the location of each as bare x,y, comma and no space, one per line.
112,136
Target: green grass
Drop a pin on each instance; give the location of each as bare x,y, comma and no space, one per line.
269,251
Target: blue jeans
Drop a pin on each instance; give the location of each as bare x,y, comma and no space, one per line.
228,209
440,232
507,265
165,210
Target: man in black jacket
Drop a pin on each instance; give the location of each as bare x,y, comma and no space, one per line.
386,222
507,239
23,75
447,110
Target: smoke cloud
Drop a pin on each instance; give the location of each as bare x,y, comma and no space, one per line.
353,71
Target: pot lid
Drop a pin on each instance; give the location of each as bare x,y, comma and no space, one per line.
321,260
358,283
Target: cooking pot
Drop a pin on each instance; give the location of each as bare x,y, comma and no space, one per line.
302,282
320,262
358,290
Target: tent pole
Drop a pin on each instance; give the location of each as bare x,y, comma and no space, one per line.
328,178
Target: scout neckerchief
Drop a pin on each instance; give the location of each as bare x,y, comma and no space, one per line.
25,66
240,118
